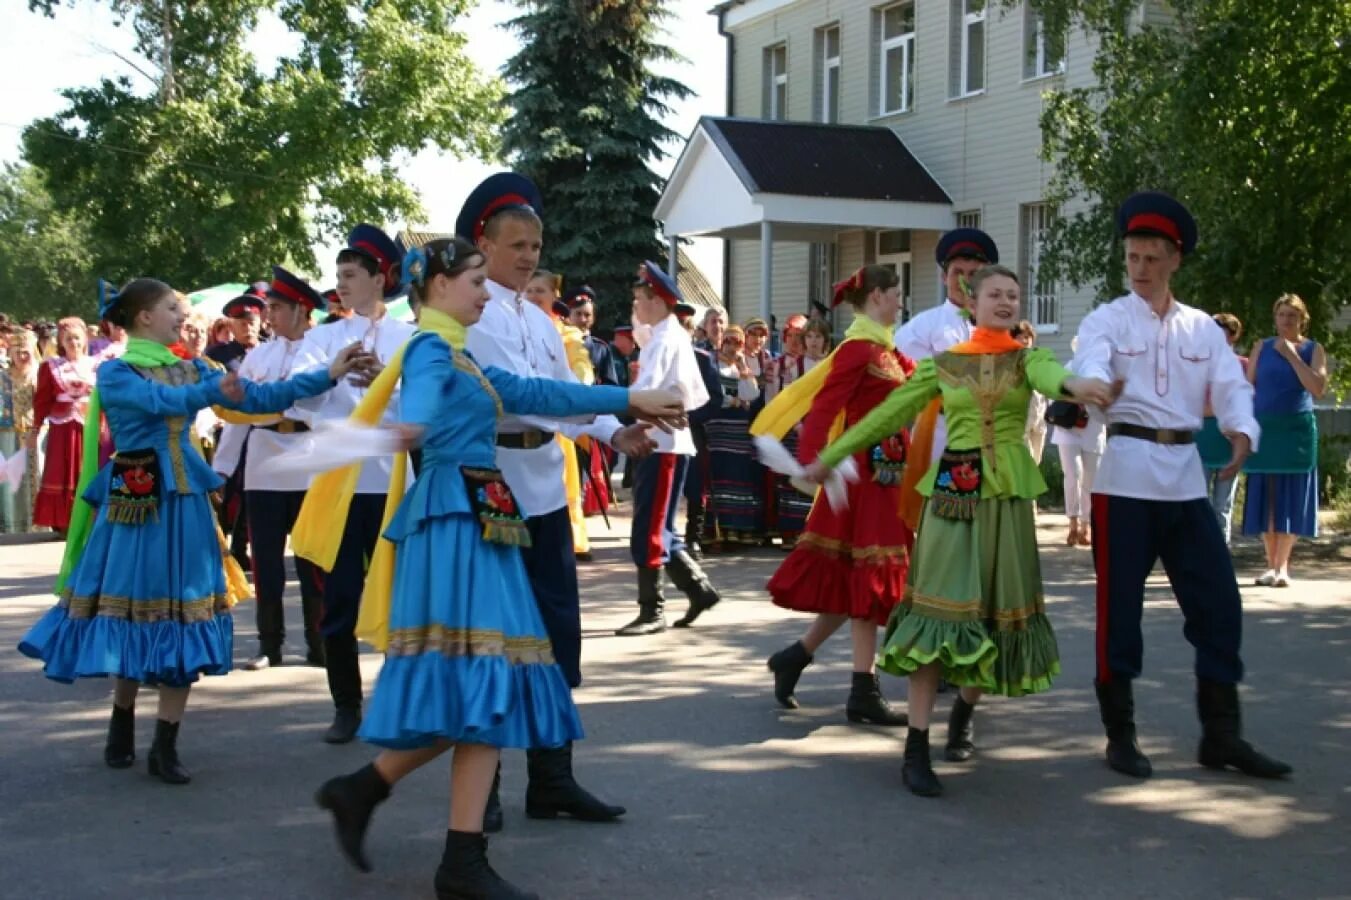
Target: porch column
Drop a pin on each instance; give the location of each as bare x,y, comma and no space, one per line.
672,249
766,268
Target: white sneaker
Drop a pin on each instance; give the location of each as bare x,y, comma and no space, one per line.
1267,579
1282,580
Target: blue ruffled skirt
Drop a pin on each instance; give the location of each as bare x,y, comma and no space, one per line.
145,601
469,659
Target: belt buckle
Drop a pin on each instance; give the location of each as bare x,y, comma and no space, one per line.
530,440
1167,436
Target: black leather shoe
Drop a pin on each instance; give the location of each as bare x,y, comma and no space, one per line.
493,820
1116,703
918,773
344,727
352,800
1222,747
867,705
553,791
651,606
163,761
464,873
787,666
120,751
961,744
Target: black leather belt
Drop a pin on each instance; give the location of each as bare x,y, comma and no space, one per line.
286,426
1169,436
525,440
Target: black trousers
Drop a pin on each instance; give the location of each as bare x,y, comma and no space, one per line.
1129,535
343,585
271,516
551,566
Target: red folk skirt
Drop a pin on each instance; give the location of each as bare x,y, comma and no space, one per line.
852,562
60,474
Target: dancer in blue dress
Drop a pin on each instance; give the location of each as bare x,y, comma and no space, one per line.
468,662
144,595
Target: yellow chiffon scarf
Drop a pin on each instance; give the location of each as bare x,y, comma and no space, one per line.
323,516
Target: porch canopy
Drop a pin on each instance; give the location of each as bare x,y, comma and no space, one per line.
749,179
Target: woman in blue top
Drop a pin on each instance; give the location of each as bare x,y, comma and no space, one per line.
468,663
143,589
1288,372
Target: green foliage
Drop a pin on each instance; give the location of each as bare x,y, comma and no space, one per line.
1054,498
232,163
1240,109
586,128
45,265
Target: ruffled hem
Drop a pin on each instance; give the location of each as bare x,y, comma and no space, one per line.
813,582
170,653
422,699
1009,663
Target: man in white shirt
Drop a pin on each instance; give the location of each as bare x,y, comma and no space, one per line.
666,360
1149,496
501,217
960,253
368,274
272,500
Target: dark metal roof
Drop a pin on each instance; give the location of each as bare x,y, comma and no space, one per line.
811,159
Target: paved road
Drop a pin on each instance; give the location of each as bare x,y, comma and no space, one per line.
729,796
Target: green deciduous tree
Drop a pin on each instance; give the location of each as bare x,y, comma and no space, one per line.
231,163
45,254
1240,108
587,127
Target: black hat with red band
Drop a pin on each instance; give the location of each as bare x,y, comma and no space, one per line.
966,243
294,289
375,245
1155,214
254,300
498,193
651,276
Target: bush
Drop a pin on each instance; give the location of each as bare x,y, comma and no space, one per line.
1054,498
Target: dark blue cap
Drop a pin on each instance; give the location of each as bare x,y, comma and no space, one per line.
252,300
966,243
683,311
561,309
623,329
505,190
650,275
372,243
294,289
579,295
1155,214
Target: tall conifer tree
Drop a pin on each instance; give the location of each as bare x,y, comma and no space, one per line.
587,127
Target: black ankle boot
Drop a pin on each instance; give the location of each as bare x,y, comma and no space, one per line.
651,606
344,685
787,666
120,751
689,577
1222,746
493,819
918,773
163,760
352,799
464,873
866,703
553,790
1117,706
961,733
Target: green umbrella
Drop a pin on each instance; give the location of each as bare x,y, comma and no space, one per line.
211,300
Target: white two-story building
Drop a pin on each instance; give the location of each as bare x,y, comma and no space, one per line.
859,131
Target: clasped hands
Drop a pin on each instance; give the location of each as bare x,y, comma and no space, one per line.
363,366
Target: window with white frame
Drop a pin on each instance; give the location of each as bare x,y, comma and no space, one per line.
966,68
896,59
1041,295
968,218
776,82
1043,52
828,67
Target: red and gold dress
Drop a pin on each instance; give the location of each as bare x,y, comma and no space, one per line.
60,401
853,561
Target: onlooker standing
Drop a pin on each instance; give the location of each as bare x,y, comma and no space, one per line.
64,384
1288,372
1214,446
1035,432
17,384
1080,450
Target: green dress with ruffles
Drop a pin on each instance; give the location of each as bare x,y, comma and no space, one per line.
973,601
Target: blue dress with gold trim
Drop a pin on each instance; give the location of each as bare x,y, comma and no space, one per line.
468,659
147,599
